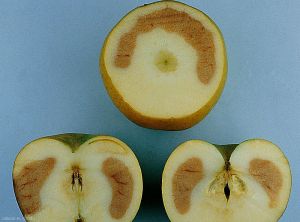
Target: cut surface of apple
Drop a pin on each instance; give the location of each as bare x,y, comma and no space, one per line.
164,65
78,178
210,183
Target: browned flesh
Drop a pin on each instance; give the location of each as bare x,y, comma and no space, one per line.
185,179
29,182
173,21
269,176
122,186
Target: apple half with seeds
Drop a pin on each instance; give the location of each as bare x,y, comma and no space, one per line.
164,65
232,183
78,178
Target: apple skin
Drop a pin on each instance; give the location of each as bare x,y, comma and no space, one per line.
73,140
160,123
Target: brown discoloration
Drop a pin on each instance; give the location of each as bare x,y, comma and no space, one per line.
122,186
175,21
29,182
269,176
185,179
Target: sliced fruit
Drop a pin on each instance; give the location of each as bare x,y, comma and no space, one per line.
164,65
210,183
77,177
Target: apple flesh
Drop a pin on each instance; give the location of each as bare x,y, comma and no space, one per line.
164,65
77,177
246,182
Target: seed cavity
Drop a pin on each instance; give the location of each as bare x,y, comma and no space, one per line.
269,176
187,176
227,191
217,186
76,179
29,182
79,219
165,61
121,182
227,183
172,21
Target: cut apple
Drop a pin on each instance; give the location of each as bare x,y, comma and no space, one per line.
209,183
164,65
77,177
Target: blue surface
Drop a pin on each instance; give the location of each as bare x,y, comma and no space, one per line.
50,84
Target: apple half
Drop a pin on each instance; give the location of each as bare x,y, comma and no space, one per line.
164,65
78,178
210,183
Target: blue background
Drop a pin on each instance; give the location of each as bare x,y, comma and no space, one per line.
50,84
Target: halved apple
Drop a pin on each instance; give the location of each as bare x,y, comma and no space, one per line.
77,177
164,65
210,183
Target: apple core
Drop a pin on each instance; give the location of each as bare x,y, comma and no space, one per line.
165,61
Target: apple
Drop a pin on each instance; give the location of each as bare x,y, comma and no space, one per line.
232,183
77,177
164,65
